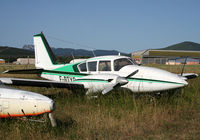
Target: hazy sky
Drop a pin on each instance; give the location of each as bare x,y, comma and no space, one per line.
124,25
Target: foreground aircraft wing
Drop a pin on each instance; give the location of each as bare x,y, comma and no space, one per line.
39,71
189,75
40,83
26,71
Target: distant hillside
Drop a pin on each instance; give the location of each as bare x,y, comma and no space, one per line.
6,51
189,46
82,52
76,52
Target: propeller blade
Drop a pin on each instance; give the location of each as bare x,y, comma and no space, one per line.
133,73
119,82
106,90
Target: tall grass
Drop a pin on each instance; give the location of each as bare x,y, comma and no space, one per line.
118,115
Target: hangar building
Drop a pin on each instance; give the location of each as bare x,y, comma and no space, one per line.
25,61
169,57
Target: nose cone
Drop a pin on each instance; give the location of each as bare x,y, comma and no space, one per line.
153,79
122,80
183,82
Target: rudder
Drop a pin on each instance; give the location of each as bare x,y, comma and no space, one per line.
44,57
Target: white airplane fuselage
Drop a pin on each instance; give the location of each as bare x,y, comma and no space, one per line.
18,103
147,79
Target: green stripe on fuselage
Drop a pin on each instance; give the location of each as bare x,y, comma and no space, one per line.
152,81
91,80
68,68
79,75
61,74
133,80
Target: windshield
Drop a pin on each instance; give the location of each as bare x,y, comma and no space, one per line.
119,63
82,67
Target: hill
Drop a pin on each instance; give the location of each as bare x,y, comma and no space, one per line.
6,51
187,45
82,52
77,52
10,54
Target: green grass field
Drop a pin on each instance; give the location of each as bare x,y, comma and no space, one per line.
118,115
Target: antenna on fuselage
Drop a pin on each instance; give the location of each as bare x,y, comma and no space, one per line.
93,53
184,65
73,57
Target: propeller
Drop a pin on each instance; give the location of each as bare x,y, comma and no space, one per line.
119,81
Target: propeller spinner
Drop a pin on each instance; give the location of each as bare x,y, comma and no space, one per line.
119,81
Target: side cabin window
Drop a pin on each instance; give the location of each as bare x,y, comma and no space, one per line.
82,67
119,63
104,66
92,66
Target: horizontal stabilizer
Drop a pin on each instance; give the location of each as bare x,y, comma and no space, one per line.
25,71
40,83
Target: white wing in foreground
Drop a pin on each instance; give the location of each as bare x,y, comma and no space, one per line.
40,83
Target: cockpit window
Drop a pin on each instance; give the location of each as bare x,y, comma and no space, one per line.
104,66
119,63
83,67
92,66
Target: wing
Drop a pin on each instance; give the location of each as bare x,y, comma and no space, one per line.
26,71
39,71
189,75
40,83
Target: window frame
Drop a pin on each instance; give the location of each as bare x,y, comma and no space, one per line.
105,70
80,68
89,68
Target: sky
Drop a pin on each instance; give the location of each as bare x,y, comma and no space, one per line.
123,25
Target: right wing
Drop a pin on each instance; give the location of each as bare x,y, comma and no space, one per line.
40,83
189,75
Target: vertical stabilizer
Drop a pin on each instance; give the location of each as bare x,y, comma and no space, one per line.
44,57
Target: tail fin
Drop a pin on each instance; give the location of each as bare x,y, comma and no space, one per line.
44,57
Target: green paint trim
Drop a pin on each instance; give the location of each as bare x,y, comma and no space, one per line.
134,80
48,49
57,74
65,72
68,68
91,80
36,35
75,67
152,81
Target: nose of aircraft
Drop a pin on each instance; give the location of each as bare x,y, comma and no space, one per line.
154,79
185,83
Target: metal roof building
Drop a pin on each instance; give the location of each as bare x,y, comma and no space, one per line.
165,56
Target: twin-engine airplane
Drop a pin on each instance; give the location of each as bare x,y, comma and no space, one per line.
21,103
103,73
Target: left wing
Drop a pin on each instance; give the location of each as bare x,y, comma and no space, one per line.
40,83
